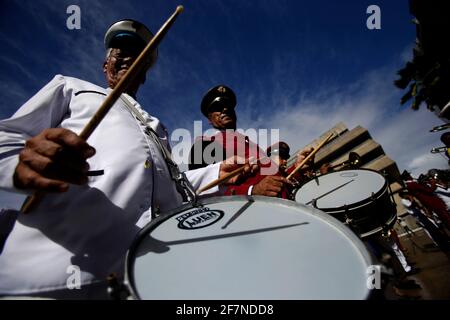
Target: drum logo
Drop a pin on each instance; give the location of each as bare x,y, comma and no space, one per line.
199,218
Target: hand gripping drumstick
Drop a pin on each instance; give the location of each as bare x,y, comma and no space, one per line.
115,94
309,156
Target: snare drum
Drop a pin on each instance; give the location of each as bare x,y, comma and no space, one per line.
252,248
360,198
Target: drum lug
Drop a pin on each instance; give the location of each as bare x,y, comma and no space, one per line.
385,233
348,221
314,203
116,289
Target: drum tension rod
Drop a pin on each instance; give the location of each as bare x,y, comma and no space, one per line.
116,289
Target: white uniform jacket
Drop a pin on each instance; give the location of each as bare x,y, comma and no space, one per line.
89,227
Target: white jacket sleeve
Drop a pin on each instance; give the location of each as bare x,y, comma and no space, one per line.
7,220
202,176
45,109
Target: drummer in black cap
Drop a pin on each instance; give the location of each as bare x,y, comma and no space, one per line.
218,105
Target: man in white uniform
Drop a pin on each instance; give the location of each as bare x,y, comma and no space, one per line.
99,193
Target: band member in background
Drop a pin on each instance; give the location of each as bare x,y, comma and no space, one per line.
425,194
280,154
425,219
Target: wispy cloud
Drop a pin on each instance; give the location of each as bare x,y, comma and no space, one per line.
371,102
427,160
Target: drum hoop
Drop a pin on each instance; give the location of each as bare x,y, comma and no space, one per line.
358,204
129,280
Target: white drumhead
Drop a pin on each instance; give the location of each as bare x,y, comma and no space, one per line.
340,188
273,249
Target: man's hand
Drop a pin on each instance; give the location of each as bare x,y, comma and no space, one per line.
51,160
270,186
234,163
325,168
302,156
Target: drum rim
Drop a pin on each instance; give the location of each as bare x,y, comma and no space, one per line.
129,279
354,205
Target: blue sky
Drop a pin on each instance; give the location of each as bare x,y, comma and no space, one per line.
300,66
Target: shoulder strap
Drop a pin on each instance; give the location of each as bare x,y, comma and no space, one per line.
177,176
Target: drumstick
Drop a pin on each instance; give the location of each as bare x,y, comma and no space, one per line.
115,94
309,156
225,178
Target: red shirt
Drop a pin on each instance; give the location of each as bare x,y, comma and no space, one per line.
233,143
427,197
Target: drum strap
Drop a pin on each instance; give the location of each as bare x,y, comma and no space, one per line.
183,184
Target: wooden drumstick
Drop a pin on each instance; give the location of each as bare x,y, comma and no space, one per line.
225,178
309,156
115,94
